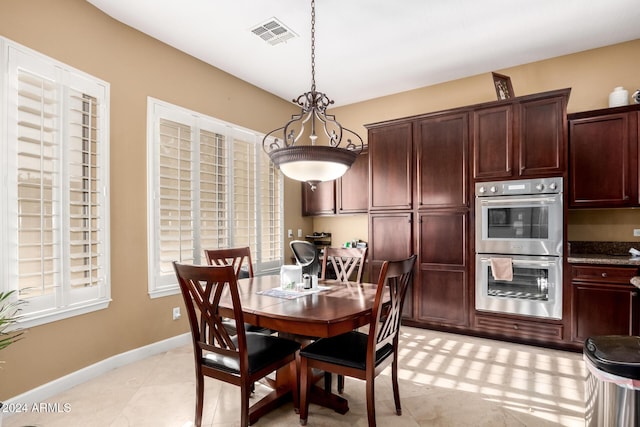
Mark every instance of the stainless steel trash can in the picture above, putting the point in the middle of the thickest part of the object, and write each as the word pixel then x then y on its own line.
pixel 612 390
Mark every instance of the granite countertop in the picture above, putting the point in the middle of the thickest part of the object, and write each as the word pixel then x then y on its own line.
pixel 612 253
pixel 603 259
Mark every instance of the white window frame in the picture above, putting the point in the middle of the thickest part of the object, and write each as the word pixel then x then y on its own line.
pixel 162 283
pixel 63 300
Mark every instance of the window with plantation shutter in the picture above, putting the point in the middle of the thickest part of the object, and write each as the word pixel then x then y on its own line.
pixel 210 186
pixel 55 211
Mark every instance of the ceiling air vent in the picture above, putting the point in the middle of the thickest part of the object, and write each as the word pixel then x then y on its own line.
pixel 273 32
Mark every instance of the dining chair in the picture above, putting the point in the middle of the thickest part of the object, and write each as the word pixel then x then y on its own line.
pixel 241 359
pixel 345 261
pixel 240 259
pixel 307 256
pixel 359 355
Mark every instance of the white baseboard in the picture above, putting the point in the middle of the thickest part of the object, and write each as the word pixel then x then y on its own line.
pixel 45 391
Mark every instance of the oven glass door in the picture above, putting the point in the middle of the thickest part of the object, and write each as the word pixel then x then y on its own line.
pixel 536 288
pixel 529 225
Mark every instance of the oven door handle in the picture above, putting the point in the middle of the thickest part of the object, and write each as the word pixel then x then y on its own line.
pixel 512 201
pixel 542 263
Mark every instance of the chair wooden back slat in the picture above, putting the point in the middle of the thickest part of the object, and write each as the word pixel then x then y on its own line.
pixel 202 288
pixel 236 257
pixel 395 277
pixel 345 262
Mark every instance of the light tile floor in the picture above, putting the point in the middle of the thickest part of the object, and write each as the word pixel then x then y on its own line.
pixel 445 380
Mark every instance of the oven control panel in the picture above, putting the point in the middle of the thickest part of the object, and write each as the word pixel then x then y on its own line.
pixel 519 187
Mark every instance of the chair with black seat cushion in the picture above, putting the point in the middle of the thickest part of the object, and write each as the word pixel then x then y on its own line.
pixel 241 359
pixel 307 256
pixel 359 355
pixel 240 260
pixel 346 263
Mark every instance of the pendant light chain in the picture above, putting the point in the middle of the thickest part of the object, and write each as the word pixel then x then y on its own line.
pixel 313 46
pixel 328 156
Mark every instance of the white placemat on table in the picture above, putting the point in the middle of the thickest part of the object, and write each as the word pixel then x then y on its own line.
pixel 291 293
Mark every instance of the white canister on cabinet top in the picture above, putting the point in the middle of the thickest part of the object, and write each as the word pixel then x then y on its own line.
pixel 618 97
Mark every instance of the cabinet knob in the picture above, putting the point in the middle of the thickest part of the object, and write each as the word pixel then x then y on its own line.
pixel 604 274
pixel 515 326
pixel 634 294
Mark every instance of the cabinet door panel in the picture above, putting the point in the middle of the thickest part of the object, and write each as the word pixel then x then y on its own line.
pixel 493 142
pixel 443 238
pixel 442 161
pixel 353 188
pixel 603 310
pixel 600 162
pixel 542 141
pixel 442 282
pixel 441 297
pixel 320 201
pixel 390 153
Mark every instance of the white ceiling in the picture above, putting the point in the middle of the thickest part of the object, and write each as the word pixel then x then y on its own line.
pixel 370 48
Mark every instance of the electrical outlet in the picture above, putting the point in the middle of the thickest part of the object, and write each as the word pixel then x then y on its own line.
pixel 636 232
pixel 299 232
pixel 290 233
pixel 176 313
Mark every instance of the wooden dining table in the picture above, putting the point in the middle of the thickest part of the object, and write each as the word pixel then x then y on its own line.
pixel 331 309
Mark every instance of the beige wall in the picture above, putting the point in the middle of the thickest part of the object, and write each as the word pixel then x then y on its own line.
pixel 74 32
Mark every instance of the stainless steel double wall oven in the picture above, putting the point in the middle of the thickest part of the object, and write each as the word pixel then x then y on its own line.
pixel 520 221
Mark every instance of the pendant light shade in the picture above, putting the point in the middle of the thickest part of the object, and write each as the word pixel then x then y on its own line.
pixel 326 156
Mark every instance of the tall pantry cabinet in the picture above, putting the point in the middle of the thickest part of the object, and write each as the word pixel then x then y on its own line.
pixel 419 203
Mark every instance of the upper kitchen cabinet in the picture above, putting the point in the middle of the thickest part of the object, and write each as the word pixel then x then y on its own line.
pixel 352 189
pixel 390 157
pixel 346 195
pixel 493 142
pixel 521 137
pixel 321 201
pixel 603 158
pixel 442 161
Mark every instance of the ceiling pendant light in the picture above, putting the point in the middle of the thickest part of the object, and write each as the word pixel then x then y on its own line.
pixel 326 157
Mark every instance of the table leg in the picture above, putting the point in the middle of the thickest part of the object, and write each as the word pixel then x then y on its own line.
pixel 317 395
pixel 321 397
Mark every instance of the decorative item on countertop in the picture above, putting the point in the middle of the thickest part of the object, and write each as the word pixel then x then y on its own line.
pixel 636 97
pixel 290 275
pixel 619 97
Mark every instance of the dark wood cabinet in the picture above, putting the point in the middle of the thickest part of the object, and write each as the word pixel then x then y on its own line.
pixel 352 189
pixel 442 165
pixel 542 136
pixel 441 285
pixel 346 195
pixel 390 158
pixel 493 142
pixel 603 149
pixel 513 327
pixel 321 201
pixel 422 171
pixel 442 226
pixel 603 301
pixel 429 155
pixel 525 137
